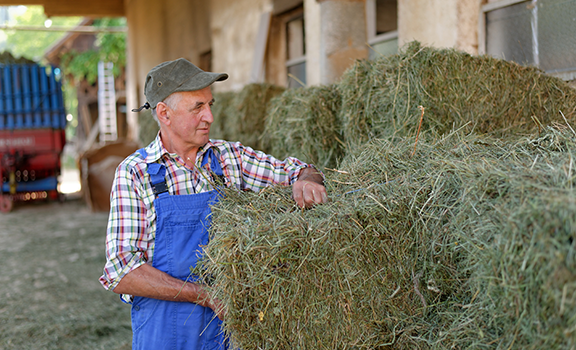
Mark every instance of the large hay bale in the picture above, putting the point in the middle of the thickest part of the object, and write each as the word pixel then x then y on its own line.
pixel 467 243
pixel 302 123
pixel 241 116
pixel 481 93
pixel 463 239
pixel 148 127
pixel 223 126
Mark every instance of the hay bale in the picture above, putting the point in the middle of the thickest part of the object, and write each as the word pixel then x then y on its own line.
pixel 302 123
pixel 223 106
pixel 252 107
pixel 148 127
pixel 481 93
pixel 240 116
pixel 464 241
pixel 468 243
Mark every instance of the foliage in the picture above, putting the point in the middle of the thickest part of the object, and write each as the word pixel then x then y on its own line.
pixel 110 47
pixel 33 44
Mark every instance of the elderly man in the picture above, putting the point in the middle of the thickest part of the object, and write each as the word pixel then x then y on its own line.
pixel 160 206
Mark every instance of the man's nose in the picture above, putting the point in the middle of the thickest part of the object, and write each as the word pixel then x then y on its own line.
pixel 207 116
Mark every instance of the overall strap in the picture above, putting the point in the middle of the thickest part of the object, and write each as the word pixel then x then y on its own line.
pixel 157 174
pixel 215 166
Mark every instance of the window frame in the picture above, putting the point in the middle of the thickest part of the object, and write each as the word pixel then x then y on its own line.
pixel 373 38
pixel 565 74
pixel 295 14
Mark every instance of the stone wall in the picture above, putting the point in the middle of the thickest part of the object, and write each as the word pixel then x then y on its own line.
pixel 335 36
pixel 440 23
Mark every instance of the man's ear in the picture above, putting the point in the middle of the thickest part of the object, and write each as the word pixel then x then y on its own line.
pixel 162 113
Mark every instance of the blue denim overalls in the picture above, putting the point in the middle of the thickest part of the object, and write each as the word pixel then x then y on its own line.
pixel 181 230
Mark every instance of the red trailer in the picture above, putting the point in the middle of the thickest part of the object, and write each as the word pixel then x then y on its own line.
pixel 32 136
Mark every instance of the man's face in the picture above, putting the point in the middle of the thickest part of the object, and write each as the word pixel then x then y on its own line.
pixel 190 120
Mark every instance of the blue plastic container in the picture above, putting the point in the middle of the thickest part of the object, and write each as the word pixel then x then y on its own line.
pixel 30 98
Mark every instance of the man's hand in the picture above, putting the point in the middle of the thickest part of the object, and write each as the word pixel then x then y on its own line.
pixel 309 189
pixel 217 307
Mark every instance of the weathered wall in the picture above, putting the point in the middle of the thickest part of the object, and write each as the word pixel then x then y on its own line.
pixel 335 35
pixel 468 12
pixel 234 27
pixel 313 40
pixel 440 23
pixel 343 36
pixel 159 31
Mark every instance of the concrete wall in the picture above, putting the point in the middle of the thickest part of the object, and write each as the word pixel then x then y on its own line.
pixel 440 23
pixel 159 31
pixel 343 37
pixel 468 12
pixel 313 42
pixel 234 27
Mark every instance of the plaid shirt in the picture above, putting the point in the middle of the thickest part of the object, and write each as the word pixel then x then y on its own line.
pixel 132 221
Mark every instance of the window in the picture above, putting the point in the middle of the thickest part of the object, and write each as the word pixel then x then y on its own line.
pixel 285 53
pixel 534 32
pixel 295 51
pixel 382 27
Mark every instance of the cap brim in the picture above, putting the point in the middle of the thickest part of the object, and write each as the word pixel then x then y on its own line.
pixel 201 81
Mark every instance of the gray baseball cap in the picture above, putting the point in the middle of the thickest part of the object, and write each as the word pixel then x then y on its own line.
pixel 174 76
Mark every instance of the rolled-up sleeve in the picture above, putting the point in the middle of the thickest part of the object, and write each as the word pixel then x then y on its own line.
pixel 255 170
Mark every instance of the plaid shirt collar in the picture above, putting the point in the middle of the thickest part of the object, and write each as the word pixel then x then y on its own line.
pixel 156 150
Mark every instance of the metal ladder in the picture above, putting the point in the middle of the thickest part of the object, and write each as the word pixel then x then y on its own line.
pixel 106 103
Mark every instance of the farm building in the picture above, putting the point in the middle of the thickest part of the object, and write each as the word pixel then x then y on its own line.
pixel 445 131
pixel 312 42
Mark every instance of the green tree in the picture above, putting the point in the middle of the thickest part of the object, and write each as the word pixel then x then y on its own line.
pixel 33 44
pixel 110 47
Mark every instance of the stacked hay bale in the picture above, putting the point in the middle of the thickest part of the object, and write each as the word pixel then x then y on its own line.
pixel 222 111
pixel 303 123
pixel 469 243
pixel 241 116
pixel 148 127
pixel 479 94
pixel 461 238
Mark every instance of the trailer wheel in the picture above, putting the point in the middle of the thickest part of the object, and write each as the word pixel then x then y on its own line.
pixel 6 204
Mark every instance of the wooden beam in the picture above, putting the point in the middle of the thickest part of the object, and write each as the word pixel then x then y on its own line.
pixel 20 2
pixel 77 29
pixel 100 8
